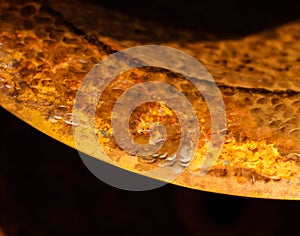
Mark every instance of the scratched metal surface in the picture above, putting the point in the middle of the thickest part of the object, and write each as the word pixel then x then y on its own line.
pixel 46 52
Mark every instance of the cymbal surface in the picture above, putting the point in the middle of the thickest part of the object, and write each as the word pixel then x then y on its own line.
pixel 46 52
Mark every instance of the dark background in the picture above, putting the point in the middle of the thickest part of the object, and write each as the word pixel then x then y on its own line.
pixel 225 18
pixel 45 189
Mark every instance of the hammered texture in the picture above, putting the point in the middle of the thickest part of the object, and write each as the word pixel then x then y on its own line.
pixel 45 54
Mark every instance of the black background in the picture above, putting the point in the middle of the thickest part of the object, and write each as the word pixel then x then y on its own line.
pixel 45 189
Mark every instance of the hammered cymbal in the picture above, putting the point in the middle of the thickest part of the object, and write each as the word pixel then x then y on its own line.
pixel 46 52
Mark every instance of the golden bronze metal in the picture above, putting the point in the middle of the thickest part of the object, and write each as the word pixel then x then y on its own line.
pixel 46 49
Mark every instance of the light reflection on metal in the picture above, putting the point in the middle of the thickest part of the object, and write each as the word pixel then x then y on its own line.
pixel 258 75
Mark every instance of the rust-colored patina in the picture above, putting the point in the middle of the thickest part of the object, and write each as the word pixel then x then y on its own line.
pixel 45 52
